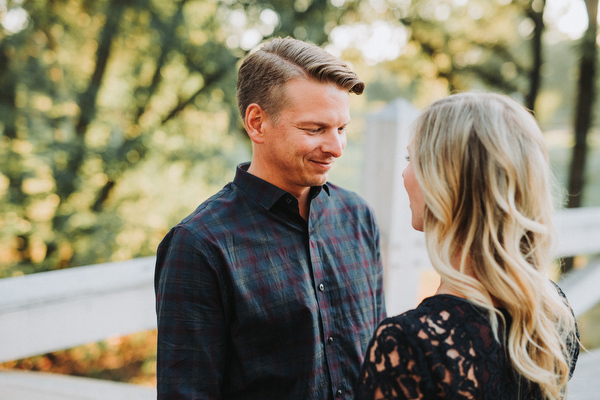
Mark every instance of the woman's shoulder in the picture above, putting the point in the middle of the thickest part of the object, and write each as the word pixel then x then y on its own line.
pixel 438 325
pixel 443 331
pixel 440 311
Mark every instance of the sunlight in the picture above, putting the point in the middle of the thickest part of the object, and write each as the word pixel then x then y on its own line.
pixel 15 20
pixel 568 16
pixel 382 40
pixel 379 41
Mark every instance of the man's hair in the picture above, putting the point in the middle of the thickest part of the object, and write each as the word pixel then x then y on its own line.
pixel 264 73
pixel 483 167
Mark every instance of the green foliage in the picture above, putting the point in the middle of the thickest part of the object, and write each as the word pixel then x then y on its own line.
pixel 459 45
pixel 119 117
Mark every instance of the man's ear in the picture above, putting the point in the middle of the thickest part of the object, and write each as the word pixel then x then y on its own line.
pixel 254 121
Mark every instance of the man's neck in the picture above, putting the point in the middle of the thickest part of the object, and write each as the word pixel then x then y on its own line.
pixel 304 205
pixel 303 196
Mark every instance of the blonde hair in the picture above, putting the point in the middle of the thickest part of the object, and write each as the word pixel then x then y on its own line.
pixel 483 167
pixel 264 73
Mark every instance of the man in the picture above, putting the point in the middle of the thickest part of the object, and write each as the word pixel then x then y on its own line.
pixel 272 288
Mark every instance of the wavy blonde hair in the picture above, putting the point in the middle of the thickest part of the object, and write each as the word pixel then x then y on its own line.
pixel 483 167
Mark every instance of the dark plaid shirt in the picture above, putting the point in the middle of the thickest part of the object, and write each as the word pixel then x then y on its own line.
pixel 254 302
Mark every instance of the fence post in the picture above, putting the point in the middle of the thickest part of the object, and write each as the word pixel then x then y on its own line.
pixel 403 250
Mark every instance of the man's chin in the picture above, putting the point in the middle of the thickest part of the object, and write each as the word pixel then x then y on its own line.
pixel 317 181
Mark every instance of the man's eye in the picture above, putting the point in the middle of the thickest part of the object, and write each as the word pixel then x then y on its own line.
pixel 312 131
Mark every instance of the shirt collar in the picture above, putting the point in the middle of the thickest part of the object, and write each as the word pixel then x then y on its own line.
pixel 262 191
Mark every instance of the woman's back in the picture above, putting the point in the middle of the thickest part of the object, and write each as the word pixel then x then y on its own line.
pixel 443 349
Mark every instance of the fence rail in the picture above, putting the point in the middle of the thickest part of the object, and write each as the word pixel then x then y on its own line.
pixel 50 311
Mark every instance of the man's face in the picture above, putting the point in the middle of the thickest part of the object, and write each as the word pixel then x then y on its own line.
pixel 308 134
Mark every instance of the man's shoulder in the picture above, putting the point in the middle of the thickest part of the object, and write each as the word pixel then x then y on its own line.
pixel 216 212
pixel 347 203
pixel 340 194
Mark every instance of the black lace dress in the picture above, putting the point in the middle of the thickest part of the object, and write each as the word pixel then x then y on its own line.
pixel 443 349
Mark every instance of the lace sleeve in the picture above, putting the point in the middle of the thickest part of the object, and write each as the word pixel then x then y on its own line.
pixel 395 367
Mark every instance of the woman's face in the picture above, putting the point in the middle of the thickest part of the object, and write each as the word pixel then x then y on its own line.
pixel 415 196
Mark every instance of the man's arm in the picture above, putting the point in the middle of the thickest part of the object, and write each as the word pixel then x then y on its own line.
pixel 381 310
pixel 191 320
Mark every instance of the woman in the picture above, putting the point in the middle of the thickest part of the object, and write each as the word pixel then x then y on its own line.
pixel 479 186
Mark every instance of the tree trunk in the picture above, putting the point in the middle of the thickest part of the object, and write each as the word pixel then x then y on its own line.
pixel 536 50
pixel 583 113
pixel 584 107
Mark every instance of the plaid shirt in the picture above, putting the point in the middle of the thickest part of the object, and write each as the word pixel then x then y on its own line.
pixel 253 302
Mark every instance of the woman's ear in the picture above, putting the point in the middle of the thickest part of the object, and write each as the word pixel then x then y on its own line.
pixel 254 122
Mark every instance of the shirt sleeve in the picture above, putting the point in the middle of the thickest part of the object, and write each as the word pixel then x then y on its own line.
pixel 395 367
pixel 191 320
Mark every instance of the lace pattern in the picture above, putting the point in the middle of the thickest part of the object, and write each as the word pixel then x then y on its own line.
pixel 443 349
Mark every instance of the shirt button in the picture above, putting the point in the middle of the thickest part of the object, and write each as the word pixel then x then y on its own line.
pixel 330 339
pixel 288 200
pixel 338 393
pixel 321 287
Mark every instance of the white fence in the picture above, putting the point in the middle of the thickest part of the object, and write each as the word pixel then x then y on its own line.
pixel 51 311
pixel 56 310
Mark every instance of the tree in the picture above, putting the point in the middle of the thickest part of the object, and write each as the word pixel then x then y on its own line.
pixel 462 46
pixel 101 101
pixel 586 96
pixel 583 113
pixel 57 70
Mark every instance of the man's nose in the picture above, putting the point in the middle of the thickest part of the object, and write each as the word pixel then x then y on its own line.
pixel 335 142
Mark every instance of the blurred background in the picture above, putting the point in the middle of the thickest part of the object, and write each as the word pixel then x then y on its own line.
pixel 118 117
